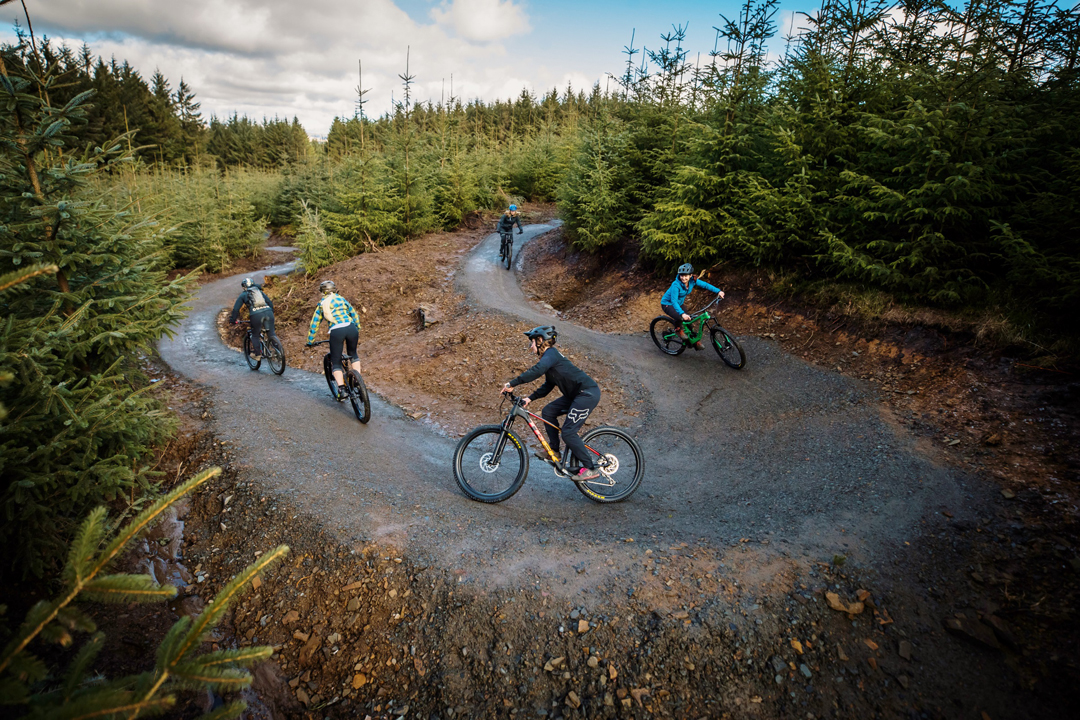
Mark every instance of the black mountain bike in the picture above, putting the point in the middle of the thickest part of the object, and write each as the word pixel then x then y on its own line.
pixel 355 389
pixel 273 351
pixel 506 248
pixel 665 333
pixel 491 462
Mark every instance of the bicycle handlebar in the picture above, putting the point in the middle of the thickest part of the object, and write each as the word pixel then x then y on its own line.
pixel 714 301
pixel 514 398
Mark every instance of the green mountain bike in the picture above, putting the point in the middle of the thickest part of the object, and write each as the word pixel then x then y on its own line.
pixel 665 333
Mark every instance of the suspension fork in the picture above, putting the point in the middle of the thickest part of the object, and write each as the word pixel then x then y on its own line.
pixel 508 423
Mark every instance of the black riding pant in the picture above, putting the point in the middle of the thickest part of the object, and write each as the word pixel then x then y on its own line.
pixel 674 314
pixel 346 336
pixel 576 410
pixel 258 319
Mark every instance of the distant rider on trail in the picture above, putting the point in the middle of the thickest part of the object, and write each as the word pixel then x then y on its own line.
pixel 580 396
pixel 344 329
pixel 260 312
pixel 672 302
pixel 506 222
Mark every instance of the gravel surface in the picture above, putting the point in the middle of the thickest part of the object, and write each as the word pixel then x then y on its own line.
pixel 765 489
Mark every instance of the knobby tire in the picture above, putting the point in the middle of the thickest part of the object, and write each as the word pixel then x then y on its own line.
pixel 276 357
pixel 610 441
pixel 665 333
pixel 329 373
pixel 727 348
pixel 358 396
pixel 490 484
pixel 251 361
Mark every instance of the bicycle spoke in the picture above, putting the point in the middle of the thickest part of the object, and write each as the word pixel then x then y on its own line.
pixel 620 464
pixel 485 474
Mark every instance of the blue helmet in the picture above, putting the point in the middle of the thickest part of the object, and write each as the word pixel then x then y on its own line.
pixel 513 208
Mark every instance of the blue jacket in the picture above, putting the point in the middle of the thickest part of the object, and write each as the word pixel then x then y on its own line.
pixel 676 294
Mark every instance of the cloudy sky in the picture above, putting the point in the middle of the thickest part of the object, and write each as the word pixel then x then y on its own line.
pixel 271 57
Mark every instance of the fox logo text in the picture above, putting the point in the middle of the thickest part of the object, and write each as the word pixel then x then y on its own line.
pixel 577 415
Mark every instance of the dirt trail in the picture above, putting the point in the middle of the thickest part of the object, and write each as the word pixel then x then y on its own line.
pixel 758 481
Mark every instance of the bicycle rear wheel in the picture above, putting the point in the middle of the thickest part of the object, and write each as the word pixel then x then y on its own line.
pixel 482 476
pixel 275 355
pixel 726 347
pixel 358 396
pixel 665 333
pixel 251 361
pixel 509 252
pixel 620 462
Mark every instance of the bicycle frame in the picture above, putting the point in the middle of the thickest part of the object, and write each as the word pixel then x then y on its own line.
pixel 346 361
pixel 518 411
pixel 701 320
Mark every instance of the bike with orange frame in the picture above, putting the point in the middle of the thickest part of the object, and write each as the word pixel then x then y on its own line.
pixel 491 462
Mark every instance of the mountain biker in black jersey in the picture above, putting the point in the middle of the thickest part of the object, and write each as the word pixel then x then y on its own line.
pixel 260 310
pixel 506 222
pixel 672 302
pixel 580 396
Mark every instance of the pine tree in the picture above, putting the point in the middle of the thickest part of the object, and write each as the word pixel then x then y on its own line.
pixel 88 575
pixel 79 421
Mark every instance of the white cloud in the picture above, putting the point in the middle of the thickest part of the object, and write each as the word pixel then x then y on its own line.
pixel 272 57
pixel 482 20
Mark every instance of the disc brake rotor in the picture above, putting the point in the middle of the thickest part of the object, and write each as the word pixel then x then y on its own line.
pixel 485 463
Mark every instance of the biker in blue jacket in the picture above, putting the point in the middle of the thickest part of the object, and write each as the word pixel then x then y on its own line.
pixel 672 302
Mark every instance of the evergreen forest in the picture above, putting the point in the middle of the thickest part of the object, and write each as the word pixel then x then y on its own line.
pixel 925 151
pixel 921 150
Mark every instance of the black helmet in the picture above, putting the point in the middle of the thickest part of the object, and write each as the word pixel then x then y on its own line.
pixel 327 286
pixel 685 269
pixel 246 283
pixel 542 333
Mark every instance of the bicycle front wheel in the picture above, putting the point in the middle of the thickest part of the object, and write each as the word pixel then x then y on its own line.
pixel 251 361
pixel 328 371
pixel 665 333
pixel 275 355
pixel 486 473
pixel 620 462
pixel 728 350
pixel 509 253
pixel 358 396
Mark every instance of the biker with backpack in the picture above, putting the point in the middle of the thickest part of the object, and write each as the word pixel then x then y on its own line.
pixel 344 329
pixel 260 312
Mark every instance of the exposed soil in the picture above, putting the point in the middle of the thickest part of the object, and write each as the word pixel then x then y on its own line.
pixel 448 373
pixel 972 618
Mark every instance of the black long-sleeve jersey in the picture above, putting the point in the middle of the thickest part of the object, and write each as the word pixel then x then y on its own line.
pixel 254 301
pixel 560 372
pixel 506 222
